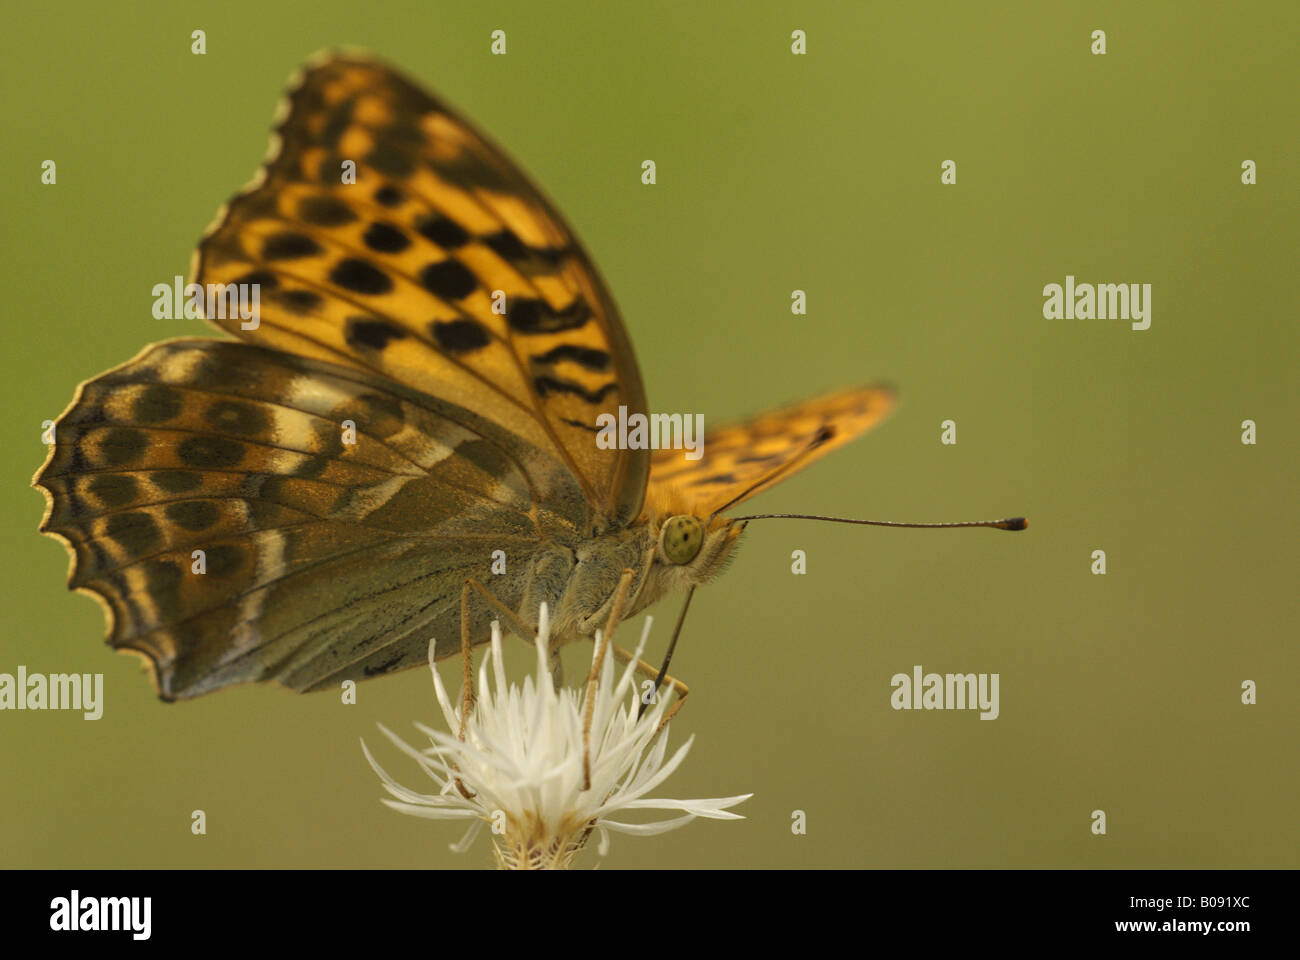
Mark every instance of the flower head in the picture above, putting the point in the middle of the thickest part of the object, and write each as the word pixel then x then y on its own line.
pixel 521 763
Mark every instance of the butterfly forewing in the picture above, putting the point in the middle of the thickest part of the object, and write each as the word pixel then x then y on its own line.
pixel 441 267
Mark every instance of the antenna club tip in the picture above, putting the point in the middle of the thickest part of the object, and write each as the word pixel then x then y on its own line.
pixel 1015 523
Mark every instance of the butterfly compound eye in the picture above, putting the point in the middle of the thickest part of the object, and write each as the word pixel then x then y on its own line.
pixel 681 538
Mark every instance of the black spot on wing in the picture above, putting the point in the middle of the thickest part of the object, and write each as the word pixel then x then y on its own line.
pixel 537 316
pixel 389 196
pixel 371 333
pixel 233 416
pixel 588 357
pixel 156 403
pixel 359 276
pixel 264 279
pixel 193 515
pixel 113 489
pixel 507 245
pixel 459 336
pixel 289 245
pixel 546 386
pixel 385 238
pixel 122 445
pixel 446 233
pixel 448 279
pixel 298 302
pixel 136 533
pixel 325 211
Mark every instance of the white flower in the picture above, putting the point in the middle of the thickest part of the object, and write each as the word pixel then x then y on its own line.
pixel 522 763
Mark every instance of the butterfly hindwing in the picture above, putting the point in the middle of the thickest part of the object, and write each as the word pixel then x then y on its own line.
pixel 746 457
pixel 441 267
pixel 335 515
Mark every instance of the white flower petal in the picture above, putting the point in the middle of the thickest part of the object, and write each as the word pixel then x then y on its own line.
pixel 647 829
pixel 467 840
pixel 714 809
pixel 431 813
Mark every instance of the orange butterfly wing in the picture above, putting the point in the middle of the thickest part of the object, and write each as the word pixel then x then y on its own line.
pixel 743 458
pixel 441 267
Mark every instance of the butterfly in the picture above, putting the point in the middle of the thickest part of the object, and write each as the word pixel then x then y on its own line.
pixel 414 414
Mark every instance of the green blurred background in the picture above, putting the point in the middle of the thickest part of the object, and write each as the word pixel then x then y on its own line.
pixel 775 172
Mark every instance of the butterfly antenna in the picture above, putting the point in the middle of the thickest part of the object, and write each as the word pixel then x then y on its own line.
pixel 672 645
pixel 1011 523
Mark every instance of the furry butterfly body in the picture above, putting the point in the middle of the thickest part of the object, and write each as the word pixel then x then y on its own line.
pixel 414 410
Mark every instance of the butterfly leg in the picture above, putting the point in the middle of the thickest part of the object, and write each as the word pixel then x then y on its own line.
pixel 653 672
pixel 597 662
pixel 467 691
pixel 467 683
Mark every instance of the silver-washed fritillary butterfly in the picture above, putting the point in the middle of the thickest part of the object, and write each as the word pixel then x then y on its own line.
pixel 473 429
